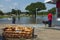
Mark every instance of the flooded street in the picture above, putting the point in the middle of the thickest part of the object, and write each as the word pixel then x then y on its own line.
pixel 24 20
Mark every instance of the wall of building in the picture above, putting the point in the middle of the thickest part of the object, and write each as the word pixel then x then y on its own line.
pixel 57 13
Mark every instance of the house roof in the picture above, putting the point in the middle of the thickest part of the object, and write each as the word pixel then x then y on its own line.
pixel 50 1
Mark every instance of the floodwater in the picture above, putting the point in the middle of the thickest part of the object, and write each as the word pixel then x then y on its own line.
pixel 25 20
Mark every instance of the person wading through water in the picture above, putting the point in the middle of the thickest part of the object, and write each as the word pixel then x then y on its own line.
pixel 13 19
pixel 49 19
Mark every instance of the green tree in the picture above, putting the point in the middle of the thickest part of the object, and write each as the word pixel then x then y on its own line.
pixel 15 12
pixel 53 10
pixel 8 13
pixel 1 12
pixel 18 12
pixel 32 7
pixel 43 13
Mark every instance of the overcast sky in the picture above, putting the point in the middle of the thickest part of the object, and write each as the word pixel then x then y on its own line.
pixel 7 5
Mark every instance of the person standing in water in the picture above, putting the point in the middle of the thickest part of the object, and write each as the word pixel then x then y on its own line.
pixel 49 19
pixel 13 19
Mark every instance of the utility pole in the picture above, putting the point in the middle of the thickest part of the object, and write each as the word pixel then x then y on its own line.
pixel 36 15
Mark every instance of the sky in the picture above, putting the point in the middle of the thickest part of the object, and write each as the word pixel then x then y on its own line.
pixel 7 5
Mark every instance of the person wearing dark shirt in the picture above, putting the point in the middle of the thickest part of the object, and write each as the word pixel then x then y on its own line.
pixel 49 19
pixel 13 19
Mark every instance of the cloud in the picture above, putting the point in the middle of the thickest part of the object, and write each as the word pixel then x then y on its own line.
pixel 1 5
pixel 12 7
pixel 3 8
pixel 15 4
pixel 8 0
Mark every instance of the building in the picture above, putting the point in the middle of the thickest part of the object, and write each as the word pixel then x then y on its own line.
pixel 57 2
pixel 50 1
